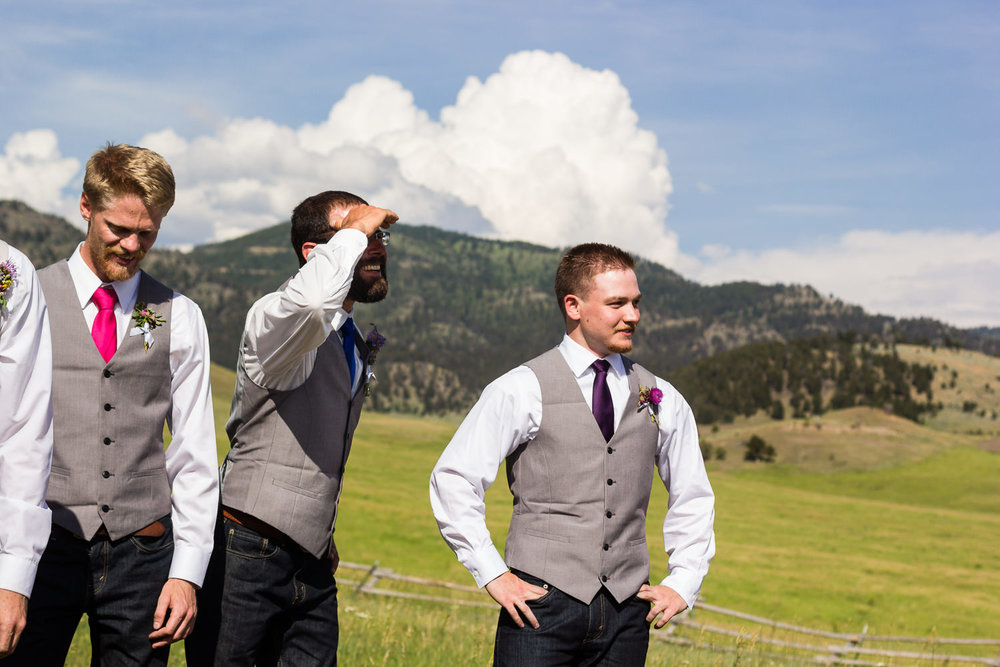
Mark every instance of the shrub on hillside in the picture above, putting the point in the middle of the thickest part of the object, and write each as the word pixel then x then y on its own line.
pixel 758 450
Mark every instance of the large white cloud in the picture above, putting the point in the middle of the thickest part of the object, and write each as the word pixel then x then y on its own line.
pixel 33 170
pixel 948 275
pixel 547 150
pixel 544 150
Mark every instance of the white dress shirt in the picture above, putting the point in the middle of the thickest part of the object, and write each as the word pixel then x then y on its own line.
pixel 191 458
pixel 509 413
pixel 25 428
pixel 284 329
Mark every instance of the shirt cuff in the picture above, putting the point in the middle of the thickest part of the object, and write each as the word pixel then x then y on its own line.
pixel 17 574
pixel 189 564
pixel 486 565
pixel 684 584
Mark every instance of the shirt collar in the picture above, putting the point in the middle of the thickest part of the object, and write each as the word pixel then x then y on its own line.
pixel 86 282
pixel 580 358
pixel 340 317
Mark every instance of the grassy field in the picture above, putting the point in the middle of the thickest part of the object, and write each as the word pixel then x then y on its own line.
pixel 865 521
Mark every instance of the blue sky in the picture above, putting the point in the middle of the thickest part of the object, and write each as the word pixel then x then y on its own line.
pixel 853 146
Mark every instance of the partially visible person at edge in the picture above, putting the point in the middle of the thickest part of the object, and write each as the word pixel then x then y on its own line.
pixel 301 380
pixel 583 429
pixel 25 438
pixel 132 523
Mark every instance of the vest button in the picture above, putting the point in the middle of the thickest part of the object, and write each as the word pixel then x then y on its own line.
pixel 107 373
pixel 611 450
pixel 604 577
pixel 105 474
pixel 105 508
pixel 608 514
pixel 607 546
pixel 610 482
pixel 107 407
pixel 107 441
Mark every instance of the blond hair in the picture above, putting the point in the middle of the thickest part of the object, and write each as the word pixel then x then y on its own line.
pixel 119 170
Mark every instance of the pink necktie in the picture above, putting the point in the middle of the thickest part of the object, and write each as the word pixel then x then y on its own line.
pixel 104 331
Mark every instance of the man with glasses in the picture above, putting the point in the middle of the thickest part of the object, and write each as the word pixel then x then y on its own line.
pixel 270 595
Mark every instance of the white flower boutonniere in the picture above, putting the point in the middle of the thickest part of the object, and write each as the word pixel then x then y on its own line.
pixel 146 319
pixel 8 276
pixel 375 341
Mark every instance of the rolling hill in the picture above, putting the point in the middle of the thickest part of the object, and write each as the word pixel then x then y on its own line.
pixel 463 310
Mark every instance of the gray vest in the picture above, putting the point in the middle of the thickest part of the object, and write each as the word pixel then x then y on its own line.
pixel 579 518
pixel 289 448
pixel 107 458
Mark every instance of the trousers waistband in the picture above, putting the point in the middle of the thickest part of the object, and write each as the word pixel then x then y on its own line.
pixel 155 529
pixel 258 526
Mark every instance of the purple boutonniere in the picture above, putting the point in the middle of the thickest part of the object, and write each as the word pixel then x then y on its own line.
pixel 375 341
pixel 145 319
pixel 8 276
pixel 650 398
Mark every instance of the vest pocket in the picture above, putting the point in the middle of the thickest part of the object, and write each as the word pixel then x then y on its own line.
pixel 548 536
pixel 296 489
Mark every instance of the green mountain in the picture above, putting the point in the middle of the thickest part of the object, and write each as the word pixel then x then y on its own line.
pixel 462 310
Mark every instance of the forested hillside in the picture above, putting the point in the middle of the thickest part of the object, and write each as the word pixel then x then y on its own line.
pixel 462 310
pixel 807 377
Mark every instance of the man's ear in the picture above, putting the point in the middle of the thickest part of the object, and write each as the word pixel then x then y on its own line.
pixel 572 305
pixel 85 210
pixel 307 248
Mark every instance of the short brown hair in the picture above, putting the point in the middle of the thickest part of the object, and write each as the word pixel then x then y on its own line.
pixel 119 170
pixel 580 264
pixel 311 218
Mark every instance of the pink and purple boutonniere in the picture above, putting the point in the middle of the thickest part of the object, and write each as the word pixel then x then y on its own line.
pixel 8 276
pixel 650 398
pixel 375 341
pixel 145 319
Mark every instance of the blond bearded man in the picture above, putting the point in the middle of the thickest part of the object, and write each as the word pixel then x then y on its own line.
pixel 132 523
pixel 583 431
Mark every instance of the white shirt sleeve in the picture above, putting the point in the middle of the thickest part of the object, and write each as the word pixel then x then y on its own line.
pixel 191 458
pixel 284 328
pixel 507 414
pixel 25 428
pixel 688 535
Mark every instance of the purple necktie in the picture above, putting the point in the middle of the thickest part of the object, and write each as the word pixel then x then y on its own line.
pixel 104 330
pixel 604 410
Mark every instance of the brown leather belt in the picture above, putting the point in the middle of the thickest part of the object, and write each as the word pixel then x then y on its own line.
pixel 155 529
pixel 258 526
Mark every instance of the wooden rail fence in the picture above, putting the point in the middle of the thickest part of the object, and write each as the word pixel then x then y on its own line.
pixel 725 630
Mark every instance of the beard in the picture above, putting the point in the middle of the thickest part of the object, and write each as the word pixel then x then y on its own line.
pixel 107 268
pixel 622 348
pixel 366 290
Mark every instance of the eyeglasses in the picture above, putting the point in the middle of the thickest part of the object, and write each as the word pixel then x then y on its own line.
pixel 380 234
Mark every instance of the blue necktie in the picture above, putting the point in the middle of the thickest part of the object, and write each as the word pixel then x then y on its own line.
pixel 347 332
pixel 603 408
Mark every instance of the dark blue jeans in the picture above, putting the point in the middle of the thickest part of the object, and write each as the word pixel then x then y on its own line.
pixel 116 583
pixel 265 604
pixel 571 632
